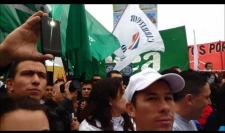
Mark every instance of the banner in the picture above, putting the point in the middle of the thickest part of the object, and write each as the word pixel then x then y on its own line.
pixel 209 52
pixel 127 71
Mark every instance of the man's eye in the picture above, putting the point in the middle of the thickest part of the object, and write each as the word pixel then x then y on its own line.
pixel 28 73
pixel 42 75
pixel 151 98
pixel 168 98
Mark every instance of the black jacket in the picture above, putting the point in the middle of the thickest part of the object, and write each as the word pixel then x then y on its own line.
pixel 59 114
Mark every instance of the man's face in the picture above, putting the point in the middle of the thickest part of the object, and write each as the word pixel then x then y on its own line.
pixel 209 67
pixel 86 90
pixel 24 120
pixel 30 80
pixel 48 92
pixel 154 110
pixel 95 79
pixel 118 76
pixel 200 102
pixel 57 95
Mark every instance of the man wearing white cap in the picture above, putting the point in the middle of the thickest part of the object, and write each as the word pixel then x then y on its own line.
pixel 150 101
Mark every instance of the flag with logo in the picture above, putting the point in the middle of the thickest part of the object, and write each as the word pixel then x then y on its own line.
pixel 176 53
pixel 136 34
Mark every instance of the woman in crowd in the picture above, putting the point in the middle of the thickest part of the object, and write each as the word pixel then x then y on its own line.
pixel 105 109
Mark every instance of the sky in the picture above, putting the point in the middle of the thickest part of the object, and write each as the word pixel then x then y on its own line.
pixel 207 20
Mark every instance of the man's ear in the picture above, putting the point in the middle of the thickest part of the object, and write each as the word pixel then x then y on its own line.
pixel 130 109
pixel 189 99
pixel 9 85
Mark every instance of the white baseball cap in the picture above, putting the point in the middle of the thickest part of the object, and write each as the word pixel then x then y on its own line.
pixel 146 77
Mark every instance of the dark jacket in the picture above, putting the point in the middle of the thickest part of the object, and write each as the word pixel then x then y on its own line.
pixel 211 123
pixel 59 114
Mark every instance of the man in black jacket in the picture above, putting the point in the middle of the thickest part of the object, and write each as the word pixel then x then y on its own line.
pixel 60 108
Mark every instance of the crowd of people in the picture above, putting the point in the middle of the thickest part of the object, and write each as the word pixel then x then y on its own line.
pixel 173 100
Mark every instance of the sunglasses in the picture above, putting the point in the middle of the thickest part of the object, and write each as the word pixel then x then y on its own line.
pixel 89 89
pixel 96 80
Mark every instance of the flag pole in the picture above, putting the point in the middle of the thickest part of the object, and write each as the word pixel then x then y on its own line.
pixel 120 18
pixel 195 53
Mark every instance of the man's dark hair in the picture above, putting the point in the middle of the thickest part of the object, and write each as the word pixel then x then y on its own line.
pixel 170 70
pixel 207 63
pixel 13 68
pixel 97 75
pixel 87 82
pixel 9 104
pixel 109 74
pixel 194 82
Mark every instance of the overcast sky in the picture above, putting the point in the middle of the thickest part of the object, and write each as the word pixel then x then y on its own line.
pixel 207 20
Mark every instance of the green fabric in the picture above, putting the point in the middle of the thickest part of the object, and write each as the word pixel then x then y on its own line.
pixel 103 43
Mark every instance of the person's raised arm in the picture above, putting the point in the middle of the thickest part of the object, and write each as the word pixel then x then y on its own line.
pixel 21 43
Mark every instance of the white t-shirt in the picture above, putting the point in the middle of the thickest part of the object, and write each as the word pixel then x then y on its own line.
pixel 181 124
pixel 117 125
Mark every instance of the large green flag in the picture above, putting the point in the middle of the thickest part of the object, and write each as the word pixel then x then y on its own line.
pixel 13 15
pixel 176 52
pixel 74 31
pixel 103 43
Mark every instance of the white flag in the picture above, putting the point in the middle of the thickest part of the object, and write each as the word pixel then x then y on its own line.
pixel 136 34
pixel 195 54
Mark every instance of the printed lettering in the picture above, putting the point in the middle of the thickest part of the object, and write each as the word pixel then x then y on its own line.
pixel 218 47
pixel 211 47
pixel 143 27
pixel 223 46
pixel 202 49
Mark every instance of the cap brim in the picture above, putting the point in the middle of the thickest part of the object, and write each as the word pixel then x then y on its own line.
pixel 175 81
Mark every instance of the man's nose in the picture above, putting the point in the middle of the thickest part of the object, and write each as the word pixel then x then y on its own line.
pixel 36 79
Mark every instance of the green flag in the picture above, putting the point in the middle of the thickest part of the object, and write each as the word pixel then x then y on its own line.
pixel 74 35
pixel 103 43
pixel 13 15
